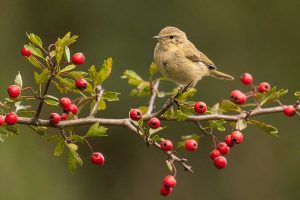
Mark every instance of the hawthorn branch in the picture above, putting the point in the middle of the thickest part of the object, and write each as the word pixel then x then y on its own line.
pixel 153 97
pixel 99 93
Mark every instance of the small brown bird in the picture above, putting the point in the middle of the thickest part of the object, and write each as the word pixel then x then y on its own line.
pixel 179 60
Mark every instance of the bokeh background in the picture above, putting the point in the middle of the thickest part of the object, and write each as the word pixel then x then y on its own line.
pixel 260 37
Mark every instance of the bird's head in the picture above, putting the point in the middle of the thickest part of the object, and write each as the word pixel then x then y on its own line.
pixel 171 35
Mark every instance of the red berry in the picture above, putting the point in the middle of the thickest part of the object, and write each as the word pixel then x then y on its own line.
pixel 135 114
pixel 223 148
pixel 289 110
pixel 81 84
pixel 74 109
pixel 214 153
pixel 166 145
pixel 191 145
pixel 14 91
pixel 200 107
pixel 78 58
pixel 65 102
pixel 169 181
pixel 54 118
pixel 237 137
pixel 64 117
pixel 220 162
pixel 264 87
pixel 2 120
pixel 154 123
pixel 11 118
pixel 246 79
pixel 165 191
pixel 26 52
pixel 238 97
pixel 228 141
pixel 97 158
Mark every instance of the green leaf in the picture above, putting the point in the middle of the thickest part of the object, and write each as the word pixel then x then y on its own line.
pixel 51 97
pixel 35 39
pixel 218 124
pixel 297 94
pixel 265 127
pixel 43 77
pixel 18 80
pixel 193 136
pixel 102 105
pixel 180 115
pixel 215 109
pixel 69 84
pixel 170 166
pixel 61 43
pixel 41 130
pixel 228 106
pixel 155 138
pixel 152 131
pixel 104 72
pixel 51 102
pixel 133 78
pixel 34 62
pixel 9 130
pixel 241 124
pixel 35 51
pixel 67 54
pixel 74 160
pixel 96 130
pixel 110 96
pixel 77 138
pixel 67 68
pixel 183 97
pixel 271 96
pixel 152 69
pixel 72 147
pixel 59 148
pixel 77 74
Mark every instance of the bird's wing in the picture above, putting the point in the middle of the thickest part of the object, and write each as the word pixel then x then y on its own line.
pixel 192 53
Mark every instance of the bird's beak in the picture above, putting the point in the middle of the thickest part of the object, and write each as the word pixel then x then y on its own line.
pixel 156 37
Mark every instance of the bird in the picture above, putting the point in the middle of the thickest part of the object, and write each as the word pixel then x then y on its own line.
pixel 180 61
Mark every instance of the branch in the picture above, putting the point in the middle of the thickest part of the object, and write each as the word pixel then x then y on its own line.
pixel 99 93
pixel 123 121
pixel 152 98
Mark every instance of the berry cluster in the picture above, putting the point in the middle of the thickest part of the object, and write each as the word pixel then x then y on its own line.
pixel 223 148
pixel 169 182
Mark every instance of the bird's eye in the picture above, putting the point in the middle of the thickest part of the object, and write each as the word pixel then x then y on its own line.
pixel 171 36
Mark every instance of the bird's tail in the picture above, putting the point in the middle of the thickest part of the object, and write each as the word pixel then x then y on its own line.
pixel 220 75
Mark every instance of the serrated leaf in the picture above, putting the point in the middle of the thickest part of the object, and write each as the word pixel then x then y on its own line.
pixel 184 96
pixel 241 124
pixel 101 105
pixel 155 138
pixel 67 54
pixel 59 148
pixel 35 39
pixel 43 77
pixel 61 43
pixel 152 69
pixel 215 109
pixel 77 138
pixel 77 74
pixel 41 130
pixel 218 124
pixel 18 80
pixel 180 115
pixel 34 62
pixel 228 106
pixel 133 78
pixel 69 84
pixel 110 96
pixel 96 130
pixel 270 129
pixel 35 51
pixel 104 72
pixel 271 96
pixel 67 68
pixel 74 160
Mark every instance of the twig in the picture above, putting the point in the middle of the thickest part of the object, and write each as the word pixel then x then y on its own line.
pixel 171 100
pixel 99 93
pixel 152 98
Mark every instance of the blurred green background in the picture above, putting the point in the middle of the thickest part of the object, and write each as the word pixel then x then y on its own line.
pixel 260 37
